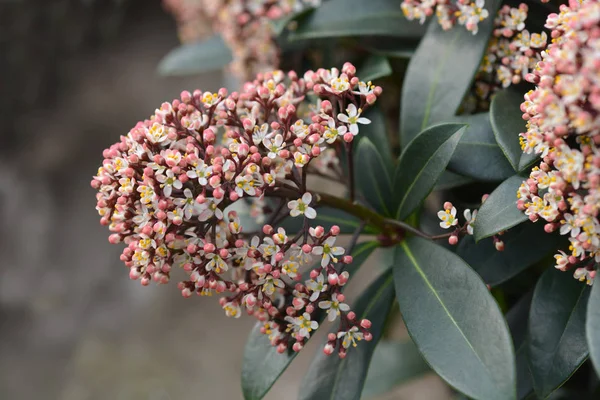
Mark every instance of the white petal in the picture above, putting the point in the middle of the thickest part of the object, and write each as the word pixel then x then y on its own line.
pixel 363 120
pixel 310 213
pixel 306 198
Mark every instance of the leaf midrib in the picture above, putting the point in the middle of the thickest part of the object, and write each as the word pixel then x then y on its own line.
pixel 428 283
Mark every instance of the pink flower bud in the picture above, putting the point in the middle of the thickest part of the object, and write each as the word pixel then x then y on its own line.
pixel 267 229
pixel 365 323
pixel 332 279
pixel 453 240
pixel 351 316
pixel 335 230
pixel 328 349
pixel 348 137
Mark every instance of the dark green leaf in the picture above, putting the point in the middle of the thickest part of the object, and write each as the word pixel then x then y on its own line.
pixel 393 363
pixel 507 123
pixel 389 47
pixel 517 318
pixel 194 58
pixel 421 164
pixel 330 377
pixel 557 345
pixel 527 160
pixel 326 217
pixel 262 364
pixel 372 177
pixel 450 180
pixel 357 18
pixel 499 212
pixel 524 245
pixel 440 74
pixel 376 132
pixel 282 23
pixel 478 155
pixel 593 325
pixel 374 67
pixel 454 321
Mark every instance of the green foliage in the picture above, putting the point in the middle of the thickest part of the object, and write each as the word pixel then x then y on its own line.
pixel 357 18
pixel 592 326
pixel 440 74
pixel 421 164
pixel 194 58
pixel 393 363
pixel 374 67
pixel 372 177
pixel 507 123
pixel 454 321
pixel 330 377
pixel 557 345
pixel 499 212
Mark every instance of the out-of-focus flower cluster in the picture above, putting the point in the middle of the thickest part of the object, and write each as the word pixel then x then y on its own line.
pixel 462 12
pixel 563 127
pixel 164 190
pixel 245 25
pixel 512 53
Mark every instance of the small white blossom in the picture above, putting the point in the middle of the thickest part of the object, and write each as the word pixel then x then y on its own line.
pixel 353 118
pixel 302 206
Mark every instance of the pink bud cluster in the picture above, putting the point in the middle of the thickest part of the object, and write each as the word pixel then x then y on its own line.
pixel 245 25
pixel 512 53
pixel 462 12
pixel 563 127
pixel 166 188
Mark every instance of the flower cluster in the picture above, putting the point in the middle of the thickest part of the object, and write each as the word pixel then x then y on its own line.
pixel 245 25
pixel 563 128
pixel 449 220
pixel 463 12
pixel 166 188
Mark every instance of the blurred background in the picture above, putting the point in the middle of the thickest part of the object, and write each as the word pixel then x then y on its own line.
pixel 76 74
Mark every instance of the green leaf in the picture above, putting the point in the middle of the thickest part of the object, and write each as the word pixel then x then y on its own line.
pixel 279 25
pixel 330 377
pixel 592 326
pixel 454 321
pixel 421 164
pixel 336 18
pixel 440 74
pixel 262 364
pixel 327 217
pixel 194 58
pixel 527 160
pixel 374 67
pixel 507 123
pixel 557 345
pixel 393 364
pixel 478 155
pixel 372 177
pixel 524 245
pixel 450 180
pixel 376 132
pixel 517 318
pixel 499 212
pixel 388 47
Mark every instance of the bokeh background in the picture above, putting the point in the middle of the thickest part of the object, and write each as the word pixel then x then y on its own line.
pixel 76 74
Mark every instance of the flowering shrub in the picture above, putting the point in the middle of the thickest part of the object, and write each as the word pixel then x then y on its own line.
pixel 220 188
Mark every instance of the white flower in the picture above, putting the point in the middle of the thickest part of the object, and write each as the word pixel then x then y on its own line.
pixel 260 134
pixel 200 171
pixel 316 287
pixel 274 145
pixel 470 220
pixel 569 225
pixel 269 284
pixel 448 218
pixel 232 309
pixel 353 118
pixel 216 263
pixel 187 203
pixel 328 251
pixel 168 182
pixel 244 184
pixel 301 325
pixel 332 133
pixel 302 206
pixel 334 307
pixel 209 208
pixel 350 337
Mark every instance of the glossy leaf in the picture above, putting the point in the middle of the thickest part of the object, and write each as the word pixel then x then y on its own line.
pixel 517 318
pixel 194 58
pixel 281 24
pixel 376 132
pixel 454 321
pixel 335 18
pixel 262 364
pixel 393 364
pixel 374 67
pixel 326 217
pixel 527 160
pixel 524 245
pixel 330 377
pixel 499 212
pixel 507 123
pixel 421 164
pixel 440 74
pixel 450 180
pixel 478 155
pixel 592 325
pixel 372 177
pixel 389 47
pixel 557 345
